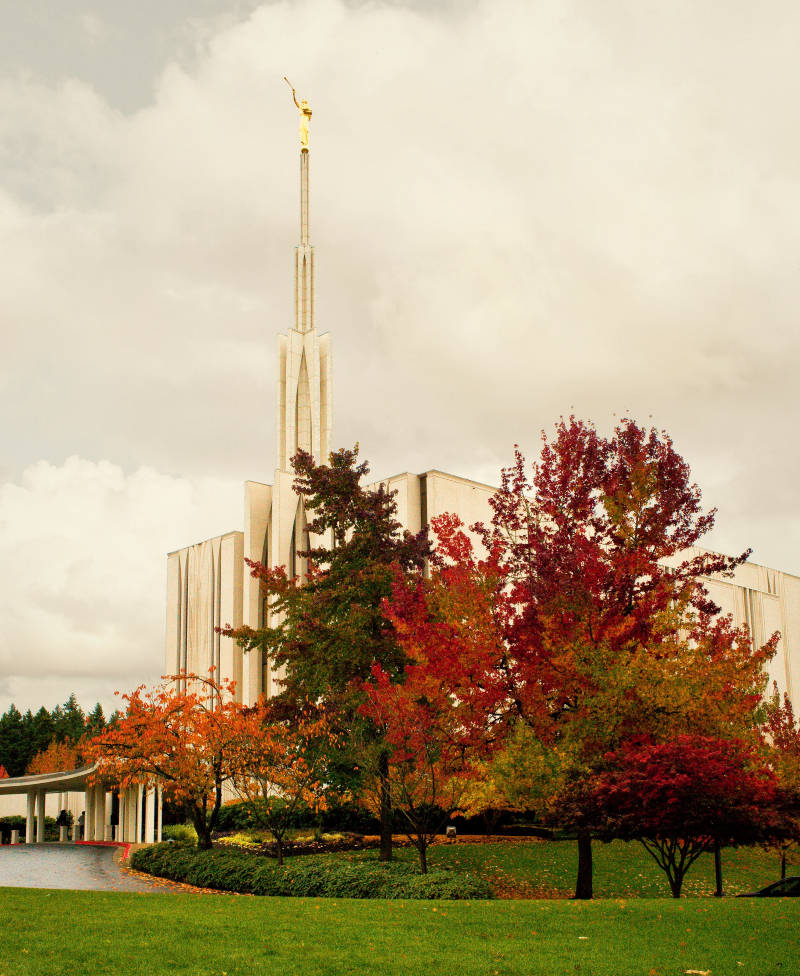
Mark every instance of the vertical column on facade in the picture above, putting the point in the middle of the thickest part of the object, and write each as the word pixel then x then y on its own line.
pixel 160 814
pixel 121 816
pixel 99 812
pixel 108 806
pixel 88 813
pixel 133 829
pixel 130 816
pixel 29 835
pixel 139 824
pixel 40 806
pixel 149 816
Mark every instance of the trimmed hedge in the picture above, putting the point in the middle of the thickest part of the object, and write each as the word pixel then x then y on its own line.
pixel 306 877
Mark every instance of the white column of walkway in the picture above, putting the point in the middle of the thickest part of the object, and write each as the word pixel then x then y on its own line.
pixel 137 825
pixel 140 808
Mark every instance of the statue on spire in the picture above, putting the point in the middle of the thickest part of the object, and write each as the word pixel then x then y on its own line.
pixel 305 116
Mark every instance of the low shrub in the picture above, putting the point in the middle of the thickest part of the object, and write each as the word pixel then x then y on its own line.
pixel 308 877
pixel 14 822
pixel 184 833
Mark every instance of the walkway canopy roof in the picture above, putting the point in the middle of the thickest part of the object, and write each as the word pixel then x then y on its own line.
pixel 72 781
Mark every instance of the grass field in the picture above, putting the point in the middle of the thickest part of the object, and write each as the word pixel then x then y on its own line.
pixel 65 933
pixel 546 869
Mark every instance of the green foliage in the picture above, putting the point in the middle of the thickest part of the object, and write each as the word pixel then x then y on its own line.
pixel 331 630
pixel 318 877
pixel 184 833
pixel 343 815
pixel 7 824
pixel 23 736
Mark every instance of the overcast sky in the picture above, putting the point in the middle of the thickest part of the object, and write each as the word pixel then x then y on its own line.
pixel 520 209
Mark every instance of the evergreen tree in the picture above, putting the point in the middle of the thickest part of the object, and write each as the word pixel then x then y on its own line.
pixel 95 720
pixel 328 632
pixel 42 731
pixel 13 750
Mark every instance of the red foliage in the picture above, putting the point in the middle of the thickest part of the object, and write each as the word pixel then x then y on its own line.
pixel 595 546
pixel 682 797
pixel 442 714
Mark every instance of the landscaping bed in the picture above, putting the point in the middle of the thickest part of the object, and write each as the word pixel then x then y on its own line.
pixel 320 877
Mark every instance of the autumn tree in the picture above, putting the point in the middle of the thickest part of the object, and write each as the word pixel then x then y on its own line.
pixel 279 766
pixel 57 757
pixel 326 632
pixel 683 798
pixel 178 734
pixel 440 716
pixel 782 733
pixel 603 603
pixel 429 750
pixel 22 736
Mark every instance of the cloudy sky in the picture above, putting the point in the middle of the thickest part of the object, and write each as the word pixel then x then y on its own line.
pixel 520 208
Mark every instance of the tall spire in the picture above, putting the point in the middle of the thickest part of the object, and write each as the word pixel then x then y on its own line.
pixel 304 357
pixel 304 259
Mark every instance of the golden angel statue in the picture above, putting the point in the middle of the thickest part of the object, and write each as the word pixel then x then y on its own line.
pixel 305 116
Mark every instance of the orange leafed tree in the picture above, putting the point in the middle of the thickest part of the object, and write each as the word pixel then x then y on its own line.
pixel 57 757
pixel 179 739
pixel 279 765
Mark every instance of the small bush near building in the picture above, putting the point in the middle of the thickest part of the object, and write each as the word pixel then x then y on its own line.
pixel 7 824
pixel 308 877
pixel 184 833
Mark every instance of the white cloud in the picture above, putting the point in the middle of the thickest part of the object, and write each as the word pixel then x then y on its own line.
pixel 519 210
pixel 82 559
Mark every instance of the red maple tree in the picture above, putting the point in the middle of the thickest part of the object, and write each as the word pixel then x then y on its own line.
pixel 685 797
pixel 600 616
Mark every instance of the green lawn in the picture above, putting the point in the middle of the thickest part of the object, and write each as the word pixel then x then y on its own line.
pixel 546 869
pixel 48 933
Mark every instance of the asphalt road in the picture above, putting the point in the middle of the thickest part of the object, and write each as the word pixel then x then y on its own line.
pixel 66 866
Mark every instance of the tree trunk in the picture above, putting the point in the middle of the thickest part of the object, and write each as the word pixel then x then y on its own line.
pixel 422 847
pixel 783 865
pixel 386 809
pixel 718 870
pixel 675 886
pixel 203 837
pixel 280 850
pixel 583 886
pixel 201 827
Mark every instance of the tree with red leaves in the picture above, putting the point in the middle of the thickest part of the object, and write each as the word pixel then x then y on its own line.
pixel 179 734
pixel 445 711
pixel 603 586
pixel 432 745
pixel 684 797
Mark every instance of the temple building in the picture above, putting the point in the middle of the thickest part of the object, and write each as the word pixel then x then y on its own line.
pixel 209 585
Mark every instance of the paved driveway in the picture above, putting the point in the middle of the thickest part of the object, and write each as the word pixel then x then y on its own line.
pixel 66 866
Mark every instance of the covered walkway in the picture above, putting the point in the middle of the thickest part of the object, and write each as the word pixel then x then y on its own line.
pixel 132 815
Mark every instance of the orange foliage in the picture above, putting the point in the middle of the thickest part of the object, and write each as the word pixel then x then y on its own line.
pixel 178 738
pixel 279 765
pixel 57 757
